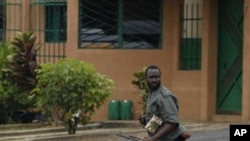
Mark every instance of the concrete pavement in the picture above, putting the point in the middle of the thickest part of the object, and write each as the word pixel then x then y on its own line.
pixel 105 130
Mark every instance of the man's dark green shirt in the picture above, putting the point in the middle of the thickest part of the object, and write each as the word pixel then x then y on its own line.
pixel 164 104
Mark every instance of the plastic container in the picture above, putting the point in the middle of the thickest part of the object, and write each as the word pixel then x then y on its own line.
pixel 126 110
pixel 114 110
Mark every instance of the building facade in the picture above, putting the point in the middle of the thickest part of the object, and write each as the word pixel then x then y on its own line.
pixel 202 47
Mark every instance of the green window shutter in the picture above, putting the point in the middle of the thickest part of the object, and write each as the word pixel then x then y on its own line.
pixel 55 22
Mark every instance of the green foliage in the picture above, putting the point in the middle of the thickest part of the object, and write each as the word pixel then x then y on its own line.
pixel 141 84
pixel 7 89
pixel 4 52
pixel 21 63
pixel 70 85
pixel 17 75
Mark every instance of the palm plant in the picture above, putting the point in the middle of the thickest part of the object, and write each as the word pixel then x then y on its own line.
pixel 22 63
pixel 18 77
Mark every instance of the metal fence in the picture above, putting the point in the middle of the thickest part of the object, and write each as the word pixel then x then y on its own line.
pixel 10 18
pixel 190 49
pixel 47 18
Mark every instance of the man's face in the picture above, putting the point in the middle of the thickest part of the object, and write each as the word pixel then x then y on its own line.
pixel 153 78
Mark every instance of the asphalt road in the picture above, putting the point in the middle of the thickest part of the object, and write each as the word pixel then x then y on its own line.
pixel 199 132
pixel 210 135
pixel 205 135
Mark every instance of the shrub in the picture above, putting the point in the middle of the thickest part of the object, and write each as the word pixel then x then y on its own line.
pixel 21 64
pixel 141 84
pixel 70 85
pixel 17 76
pixel 7 89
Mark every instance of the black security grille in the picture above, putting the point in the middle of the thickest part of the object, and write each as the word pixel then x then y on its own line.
pixel 55 22
pixel 10 18
pixel 190 49
pixel 49 21
pixel 120 23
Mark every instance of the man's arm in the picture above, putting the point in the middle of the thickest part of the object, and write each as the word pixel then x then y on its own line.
pixel 169 114
pixel 163 131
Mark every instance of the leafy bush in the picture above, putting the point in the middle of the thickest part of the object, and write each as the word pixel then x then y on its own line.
pixel 21 64
pixel 17 75
pixel 7 89
pixel 141 84
pixel 70 85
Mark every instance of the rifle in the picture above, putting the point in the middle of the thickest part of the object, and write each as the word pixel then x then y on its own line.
pixel 130 138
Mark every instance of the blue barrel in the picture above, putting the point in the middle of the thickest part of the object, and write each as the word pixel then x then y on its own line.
pixel 114 110
pixel 126 110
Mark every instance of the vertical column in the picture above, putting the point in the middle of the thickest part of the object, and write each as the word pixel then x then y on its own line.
pixel 209 59
pixel 246 65
pixel 170 36
pixel 26 15
pixel 72 27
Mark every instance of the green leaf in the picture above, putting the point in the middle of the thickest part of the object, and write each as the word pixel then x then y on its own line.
pixel 73 84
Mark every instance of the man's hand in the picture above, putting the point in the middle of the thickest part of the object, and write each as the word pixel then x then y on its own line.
pixel 141 119
pixel 186 135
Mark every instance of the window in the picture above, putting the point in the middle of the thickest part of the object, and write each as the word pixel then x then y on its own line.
pixel 10 13
pixel 49 21
pixel 120 23
pixel 190 49
pixel 55 19
pixel 2 20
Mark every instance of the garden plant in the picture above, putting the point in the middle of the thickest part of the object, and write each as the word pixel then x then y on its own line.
pixel 141 84
pixel 70 86
pixel 17 73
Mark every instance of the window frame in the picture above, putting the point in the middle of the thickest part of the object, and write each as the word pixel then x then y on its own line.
pixel 55 28
pixel 119 39
pixel 191 41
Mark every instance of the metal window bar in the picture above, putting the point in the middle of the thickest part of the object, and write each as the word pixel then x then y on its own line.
pixel 55 23
pixel 143 27
pixel 120 24
pixel 190 49
pixel 48 21
pixel 10 19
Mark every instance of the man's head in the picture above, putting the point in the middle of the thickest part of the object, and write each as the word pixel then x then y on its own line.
pixel 153 77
